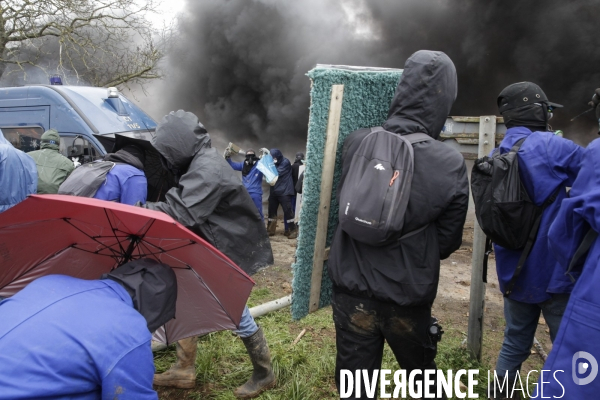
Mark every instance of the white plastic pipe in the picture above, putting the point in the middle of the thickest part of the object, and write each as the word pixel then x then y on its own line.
pixel 271 306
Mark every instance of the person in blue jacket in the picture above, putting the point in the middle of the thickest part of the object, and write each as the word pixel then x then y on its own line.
pixel 18 175
pixel 281 194
pixel 251 177
pixel 547 165
pixel 126 182
pixel 576 350
pixel 576 344
pixel 63 337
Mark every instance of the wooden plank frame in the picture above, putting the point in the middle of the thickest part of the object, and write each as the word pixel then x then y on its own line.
pixel 329 156
pixel 487 134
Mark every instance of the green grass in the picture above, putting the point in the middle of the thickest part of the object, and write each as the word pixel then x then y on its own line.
pixel 305 370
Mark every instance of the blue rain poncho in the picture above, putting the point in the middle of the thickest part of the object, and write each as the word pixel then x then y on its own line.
pixel 63 337
pixel 580 327
pixel 18 175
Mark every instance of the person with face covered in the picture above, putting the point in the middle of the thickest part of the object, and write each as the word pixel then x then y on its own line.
pixel 63 337
pixel 281 194
pixel 547 165
pixel 251 177
pixel 211 201
pixel 385 293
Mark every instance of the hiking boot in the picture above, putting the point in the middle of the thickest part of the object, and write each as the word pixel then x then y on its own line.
pixel 158 346
pixel 286 233
pixel 182 375
pixel 293 231
pixel 271 227
pixel 262 377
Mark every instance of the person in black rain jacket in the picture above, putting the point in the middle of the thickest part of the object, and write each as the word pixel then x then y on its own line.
pixel 386 292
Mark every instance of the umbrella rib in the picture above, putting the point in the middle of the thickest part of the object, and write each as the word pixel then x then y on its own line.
pixel 114 256
pixel 67 220
pixel 112 228
pixel 166 252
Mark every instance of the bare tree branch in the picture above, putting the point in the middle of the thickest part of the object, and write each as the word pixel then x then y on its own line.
pixel 99 42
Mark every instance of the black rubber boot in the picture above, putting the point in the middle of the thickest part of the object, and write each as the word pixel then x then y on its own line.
pixel 262 377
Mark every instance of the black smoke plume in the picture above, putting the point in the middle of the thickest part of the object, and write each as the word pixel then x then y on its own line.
pixel 241 64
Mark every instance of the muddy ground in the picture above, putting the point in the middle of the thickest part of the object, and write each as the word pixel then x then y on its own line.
pixel 451 306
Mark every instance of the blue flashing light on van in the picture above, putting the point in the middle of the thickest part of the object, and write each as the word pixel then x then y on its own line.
pixel 85 117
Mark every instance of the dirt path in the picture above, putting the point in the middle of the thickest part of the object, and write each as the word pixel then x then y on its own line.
pixel 451 306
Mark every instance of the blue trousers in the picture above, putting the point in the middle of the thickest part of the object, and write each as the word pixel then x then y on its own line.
pixel 521 323
pixel 247 325
pixel 257 199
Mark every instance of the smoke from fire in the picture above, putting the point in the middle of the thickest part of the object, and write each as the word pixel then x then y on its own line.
pixel 240 65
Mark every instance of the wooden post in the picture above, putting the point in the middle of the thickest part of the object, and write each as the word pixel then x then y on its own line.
pixel 487 141
pixel 329 153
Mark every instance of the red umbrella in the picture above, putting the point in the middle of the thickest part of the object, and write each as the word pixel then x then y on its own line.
pixel 84 238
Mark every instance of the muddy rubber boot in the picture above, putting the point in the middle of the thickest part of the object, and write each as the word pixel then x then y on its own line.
pixel 293 231
pixel 271 227
pixel 262 377
pixel 286 233
pixel 182 375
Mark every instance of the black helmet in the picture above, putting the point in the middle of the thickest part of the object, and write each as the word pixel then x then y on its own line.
pixel 522 94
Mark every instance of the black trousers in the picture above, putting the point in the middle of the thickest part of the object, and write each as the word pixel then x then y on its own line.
pixel 286 204
pixel 362 325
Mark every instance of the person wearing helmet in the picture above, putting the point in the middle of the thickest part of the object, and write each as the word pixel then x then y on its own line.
pixel 547 165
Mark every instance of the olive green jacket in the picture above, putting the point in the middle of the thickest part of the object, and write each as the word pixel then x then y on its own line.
pixel 53 168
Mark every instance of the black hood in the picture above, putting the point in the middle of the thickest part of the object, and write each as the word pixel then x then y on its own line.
pixel 152 287
pixel 424 96
pixel 179 136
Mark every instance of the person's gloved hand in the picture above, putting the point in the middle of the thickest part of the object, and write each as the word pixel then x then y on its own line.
pixel 227 152
pixel 595 103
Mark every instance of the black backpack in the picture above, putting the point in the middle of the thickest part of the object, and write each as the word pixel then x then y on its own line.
pixel 376 189
pixel 503 207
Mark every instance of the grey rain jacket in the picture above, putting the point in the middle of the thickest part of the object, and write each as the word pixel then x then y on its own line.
pixel 407 272
pixel 210 198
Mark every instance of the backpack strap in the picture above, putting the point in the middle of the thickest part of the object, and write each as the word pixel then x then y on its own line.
pixel 589 238
pixel 417 137
pixel 530 240
pixel 411 137
pixel 489 249
pixel 517 145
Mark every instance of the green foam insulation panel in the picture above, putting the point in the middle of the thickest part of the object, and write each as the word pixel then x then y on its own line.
pixel 367 95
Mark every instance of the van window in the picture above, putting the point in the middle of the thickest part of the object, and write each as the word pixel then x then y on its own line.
pixel 24 138
pixel 78 147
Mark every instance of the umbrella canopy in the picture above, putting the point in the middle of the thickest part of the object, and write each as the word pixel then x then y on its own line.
pixel 84 238
pixel 160 180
